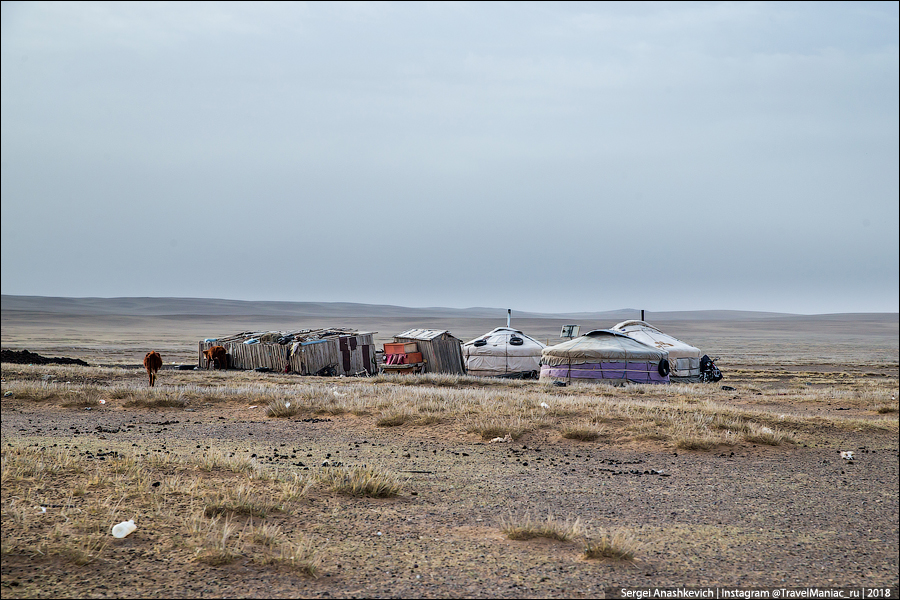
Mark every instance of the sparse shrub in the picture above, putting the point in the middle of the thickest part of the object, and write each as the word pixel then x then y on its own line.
pixel 157 399
pixel 242 500
pixel 395 416
pixel 429 420
pixel 301 557
pixel 620 545
pixel 81 550
pixel 695 442
pixel 283 407
pixel 266 534
pixel 494 427
pixel 216 460
pixel 584 433
pixel 767 435
pixel 81 398
pixel 221 546
pixel 361 481
pixel 294 486
pixel 527 528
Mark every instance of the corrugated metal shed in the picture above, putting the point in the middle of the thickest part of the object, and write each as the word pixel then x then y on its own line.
pixel 442 352
pixel 307 351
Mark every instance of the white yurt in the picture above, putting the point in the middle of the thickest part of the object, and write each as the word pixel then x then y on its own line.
pixel 684 359
pixel 603 354
pixel 503 352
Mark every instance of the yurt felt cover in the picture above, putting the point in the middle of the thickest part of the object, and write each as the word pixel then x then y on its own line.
pixel 603 354
pixel 684 359
pixel 498 357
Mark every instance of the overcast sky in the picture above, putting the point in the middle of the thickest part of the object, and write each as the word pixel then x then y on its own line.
pixel 548 157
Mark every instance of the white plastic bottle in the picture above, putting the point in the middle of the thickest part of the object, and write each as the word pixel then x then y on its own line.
pixel 123 528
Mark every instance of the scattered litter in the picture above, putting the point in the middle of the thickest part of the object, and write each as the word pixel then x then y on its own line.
pixel 847 455
pixel 43 509
pixel 500 440
pixel 7 394
pixel 87 408
pixel 102 401
pixel 254 406
pixel 378 533
pixel 728 388
pixel 544 405
pixel 252 341
pixel 559 383
pixel 287 404
pixel 123 529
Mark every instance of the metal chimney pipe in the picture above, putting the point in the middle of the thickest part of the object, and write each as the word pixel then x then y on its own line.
pixel 508 316
pixel 642 314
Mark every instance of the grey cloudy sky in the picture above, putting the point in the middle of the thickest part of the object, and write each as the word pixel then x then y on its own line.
pixel 548 157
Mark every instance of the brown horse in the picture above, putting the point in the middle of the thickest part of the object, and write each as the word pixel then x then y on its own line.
pixel 153 363
pixel 218 356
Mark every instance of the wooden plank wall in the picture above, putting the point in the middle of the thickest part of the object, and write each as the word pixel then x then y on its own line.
pixel 309 358
pixel 442 354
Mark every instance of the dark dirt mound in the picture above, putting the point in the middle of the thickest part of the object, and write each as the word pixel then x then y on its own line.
pixel 24 357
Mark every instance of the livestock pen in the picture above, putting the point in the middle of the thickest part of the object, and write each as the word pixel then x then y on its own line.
pixel 305 352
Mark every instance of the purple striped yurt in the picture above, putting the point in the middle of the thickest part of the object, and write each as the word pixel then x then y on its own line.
pixel 604 355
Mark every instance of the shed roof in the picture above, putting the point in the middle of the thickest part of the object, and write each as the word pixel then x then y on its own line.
pixel 301 335
pixel 423 334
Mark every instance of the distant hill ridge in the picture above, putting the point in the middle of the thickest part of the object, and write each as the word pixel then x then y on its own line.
pixel 220 307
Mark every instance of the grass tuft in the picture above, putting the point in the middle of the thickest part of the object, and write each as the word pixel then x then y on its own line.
pixel 242 500
pixel 490 427
pixel 620 545
pixel 395 416
pixel 584 433
pixel 361 481
pixel 283 408
pixel 527 528
pixel 768 436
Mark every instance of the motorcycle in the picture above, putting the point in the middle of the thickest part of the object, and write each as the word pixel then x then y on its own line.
pixel 709 372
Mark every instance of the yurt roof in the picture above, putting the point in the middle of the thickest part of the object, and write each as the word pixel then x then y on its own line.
pixel 502 333
pixel 651 336
pixel 601 344
pixel 497 342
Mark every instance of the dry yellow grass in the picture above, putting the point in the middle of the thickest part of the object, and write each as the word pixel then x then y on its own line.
pixel 616 545
pixel 225 490
pixel 526 528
